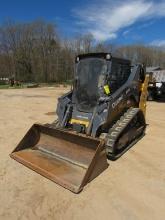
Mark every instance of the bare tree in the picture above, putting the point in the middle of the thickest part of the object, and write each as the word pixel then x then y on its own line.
pixel 34 51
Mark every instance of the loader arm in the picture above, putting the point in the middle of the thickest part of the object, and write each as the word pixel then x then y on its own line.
pixel 144 93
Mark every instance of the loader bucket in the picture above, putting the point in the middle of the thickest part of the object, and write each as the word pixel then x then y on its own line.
pixel 68 159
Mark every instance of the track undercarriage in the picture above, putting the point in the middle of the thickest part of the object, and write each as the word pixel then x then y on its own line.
pixel 126 131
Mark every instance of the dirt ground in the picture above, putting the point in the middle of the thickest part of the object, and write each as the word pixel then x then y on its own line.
pixel 132 188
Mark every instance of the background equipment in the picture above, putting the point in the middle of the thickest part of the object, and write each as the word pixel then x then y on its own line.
pixel 101 117
pixel 156 86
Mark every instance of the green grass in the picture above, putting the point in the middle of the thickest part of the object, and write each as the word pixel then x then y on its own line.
pixel 8 87
pixel 4 86
pixel 24 85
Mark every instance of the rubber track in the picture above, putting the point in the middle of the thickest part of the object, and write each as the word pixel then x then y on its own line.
pixel 116 130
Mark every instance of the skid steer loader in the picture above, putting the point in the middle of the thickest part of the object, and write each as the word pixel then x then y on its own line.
pixel 101 117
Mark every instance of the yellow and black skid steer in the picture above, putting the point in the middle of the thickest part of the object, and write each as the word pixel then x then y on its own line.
pixel 100 118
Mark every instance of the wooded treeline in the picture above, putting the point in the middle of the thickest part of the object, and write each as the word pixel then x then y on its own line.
pixel 35 52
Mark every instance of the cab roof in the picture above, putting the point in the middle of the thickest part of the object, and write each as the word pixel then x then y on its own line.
pixel 103 56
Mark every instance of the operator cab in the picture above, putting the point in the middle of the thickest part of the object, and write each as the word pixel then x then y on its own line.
pixel 98 75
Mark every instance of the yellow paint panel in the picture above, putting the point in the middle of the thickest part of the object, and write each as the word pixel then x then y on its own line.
pixel 80 122
pixel 143 97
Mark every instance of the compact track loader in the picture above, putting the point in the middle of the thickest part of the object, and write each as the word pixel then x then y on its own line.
pixel 101 117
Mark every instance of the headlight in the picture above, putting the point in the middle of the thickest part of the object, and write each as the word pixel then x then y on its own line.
pixel 158 85
pixel 77 59
pixel 108 56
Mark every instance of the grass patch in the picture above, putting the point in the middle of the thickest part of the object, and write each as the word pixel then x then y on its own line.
pixel 9 87
pixel 25 85
pixel 4 86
